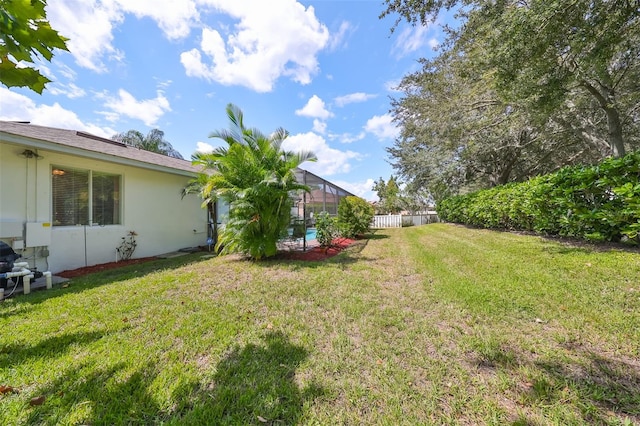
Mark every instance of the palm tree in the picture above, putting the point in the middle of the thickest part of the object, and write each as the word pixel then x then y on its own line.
pixel 256 177
pixel 154 141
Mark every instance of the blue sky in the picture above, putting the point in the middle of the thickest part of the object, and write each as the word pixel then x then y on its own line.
pixel 324 70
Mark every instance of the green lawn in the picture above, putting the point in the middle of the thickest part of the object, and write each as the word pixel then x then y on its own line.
pixel 425 325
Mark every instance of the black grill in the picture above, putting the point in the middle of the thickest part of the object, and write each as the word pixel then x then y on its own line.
pixel 7 258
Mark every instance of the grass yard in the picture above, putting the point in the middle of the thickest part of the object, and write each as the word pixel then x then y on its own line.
pixel 425 325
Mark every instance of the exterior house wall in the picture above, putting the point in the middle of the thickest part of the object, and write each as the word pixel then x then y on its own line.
pixel 151 206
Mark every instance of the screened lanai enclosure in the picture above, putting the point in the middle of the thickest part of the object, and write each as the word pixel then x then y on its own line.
pixel 324 196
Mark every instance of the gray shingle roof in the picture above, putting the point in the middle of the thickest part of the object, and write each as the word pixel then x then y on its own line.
pixel 87 145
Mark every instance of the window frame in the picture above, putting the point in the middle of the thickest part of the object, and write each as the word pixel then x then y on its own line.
pixel 90 216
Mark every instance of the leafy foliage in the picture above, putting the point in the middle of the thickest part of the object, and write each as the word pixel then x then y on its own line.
pixel 389 195
pixel 598 203
pixel 154 141
pixel 256 177
pixel 25 35
pixel 518 90
pixel 354 216
pixel 326 229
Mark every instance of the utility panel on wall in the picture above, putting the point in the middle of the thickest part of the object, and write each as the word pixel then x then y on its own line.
pixel 38 234
pixel 11 229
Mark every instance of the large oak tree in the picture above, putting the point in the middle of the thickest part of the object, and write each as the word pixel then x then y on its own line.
pixel 520 88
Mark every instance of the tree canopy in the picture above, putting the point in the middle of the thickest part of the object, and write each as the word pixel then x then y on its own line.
pixel 25 36
pixel 519 89
pixel 154 141
pixel 256 177
pixel 388 195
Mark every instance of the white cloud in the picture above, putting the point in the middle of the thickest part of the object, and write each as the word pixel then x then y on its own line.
pixel 204 148
pixel 361 189
pixel 89 26
pixel 347 137
pixel 410 40
pixel 272 39
pixel 16 107
pixel 173 17
pixel 69 90
pixel 392 85
pixel 315 109
pixel 382 127
pixel 330 160
pixel 337 38
pixel 353 98
pixel 148 111
pixel 319 126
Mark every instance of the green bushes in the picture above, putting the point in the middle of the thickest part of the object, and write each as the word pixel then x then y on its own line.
pixel 326 229
pixel 597 203
pixel 354 216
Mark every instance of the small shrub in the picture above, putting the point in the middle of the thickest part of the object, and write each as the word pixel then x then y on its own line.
pixel 354 216
pixel 326 229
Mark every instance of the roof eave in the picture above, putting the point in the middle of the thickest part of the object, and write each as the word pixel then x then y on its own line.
pixel 94 155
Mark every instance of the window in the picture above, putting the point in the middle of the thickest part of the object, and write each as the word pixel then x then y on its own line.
pixel 83 197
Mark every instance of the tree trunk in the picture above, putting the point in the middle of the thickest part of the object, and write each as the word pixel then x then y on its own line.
pixel 606 102
pixel 615 132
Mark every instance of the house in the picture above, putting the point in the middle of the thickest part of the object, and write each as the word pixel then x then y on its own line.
pixel 67 198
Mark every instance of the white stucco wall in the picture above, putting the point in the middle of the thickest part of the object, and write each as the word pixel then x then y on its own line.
pixel 152 207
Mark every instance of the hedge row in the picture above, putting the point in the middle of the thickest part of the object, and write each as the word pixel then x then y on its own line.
pixel 596 203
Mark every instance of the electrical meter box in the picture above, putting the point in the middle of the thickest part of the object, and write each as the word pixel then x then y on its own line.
pixel 11 229
pixel 38 234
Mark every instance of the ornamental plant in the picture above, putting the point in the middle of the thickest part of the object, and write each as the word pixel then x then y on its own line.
pixel 256 177
pixel 326 229
pixel 354 216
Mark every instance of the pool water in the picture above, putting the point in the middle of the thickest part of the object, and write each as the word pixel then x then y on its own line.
pixel 311 234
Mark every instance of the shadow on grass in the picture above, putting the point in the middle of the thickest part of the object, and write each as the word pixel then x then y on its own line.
pixel 254 384
pixel 23 303
pixel 374 235
pixel 99 395
pixel 15 355
pixel 602 384
pixel 598 389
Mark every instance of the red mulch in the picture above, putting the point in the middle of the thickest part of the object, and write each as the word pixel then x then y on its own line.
pixel 314 254
pixel 318 253
pixel 102 267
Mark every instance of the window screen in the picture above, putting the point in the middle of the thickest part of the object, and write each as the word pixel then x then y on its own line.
pixel 82 197
pixel 106 198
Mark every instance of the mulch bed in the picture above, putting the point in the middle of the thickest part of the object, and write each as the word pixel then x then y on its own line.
pixel 318 253
pixel 102 267
pixel 313 255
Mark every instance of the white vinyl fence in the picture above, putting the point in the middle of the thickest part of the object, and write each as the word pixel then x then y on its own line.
pixel 420 219
pixel 398 220
pixel 387 221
